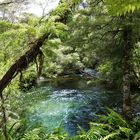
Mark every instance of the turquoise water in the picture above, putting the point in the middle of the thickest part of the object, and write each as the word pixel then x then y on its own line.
pixel 69 104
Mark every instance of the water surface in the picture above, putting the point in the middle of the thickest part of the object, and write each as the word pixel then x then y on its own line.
pixel 69 103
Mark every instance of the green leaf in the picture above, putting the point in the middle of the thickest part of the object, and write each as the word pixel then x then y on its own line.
pixel 111 135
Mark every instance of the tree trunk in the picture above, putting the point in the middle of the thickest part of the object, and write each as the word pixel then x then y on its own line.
pixel 29 56
pixel 17 67
pixel 40 61
pixel 127 50
pixel 22 62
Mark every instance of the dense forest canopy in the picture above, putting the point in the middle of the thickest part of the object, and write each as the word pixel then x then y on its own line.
pixel 100 35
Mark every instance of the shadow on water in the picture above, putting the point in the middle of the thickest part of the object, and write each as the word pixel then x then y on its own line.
pixel 71 103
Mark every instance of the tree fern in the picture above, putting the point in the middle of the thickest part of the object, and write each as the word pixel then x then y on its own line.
pixel 120 7
pixel 114 118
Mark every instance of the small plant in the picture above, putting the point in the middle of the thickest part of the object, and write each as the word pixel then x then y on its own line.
pixel 112 127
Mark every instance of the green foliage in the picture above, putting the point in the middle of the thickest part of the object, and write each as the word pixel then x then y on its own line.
pixel 105 69
pixel 5 25
pixel 120 7
pixel 135 61
pixel 33 135
pixel 28 79
pixel 61 9
pixel 91 35
pixel 111 126
pixel 114 119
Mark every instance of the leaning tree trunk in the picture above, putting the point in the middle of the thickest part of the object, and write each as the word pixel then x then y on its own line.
pixel 24 61
pixel 29 56
pixel 127 66
pixel 18 66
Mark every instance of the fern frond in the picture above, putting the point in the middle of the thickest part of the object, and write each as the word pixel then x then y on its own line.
pixel 111 135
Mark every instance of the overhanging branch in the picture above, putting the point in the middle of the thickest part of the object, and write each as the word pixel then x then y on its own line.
pixel 22 62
